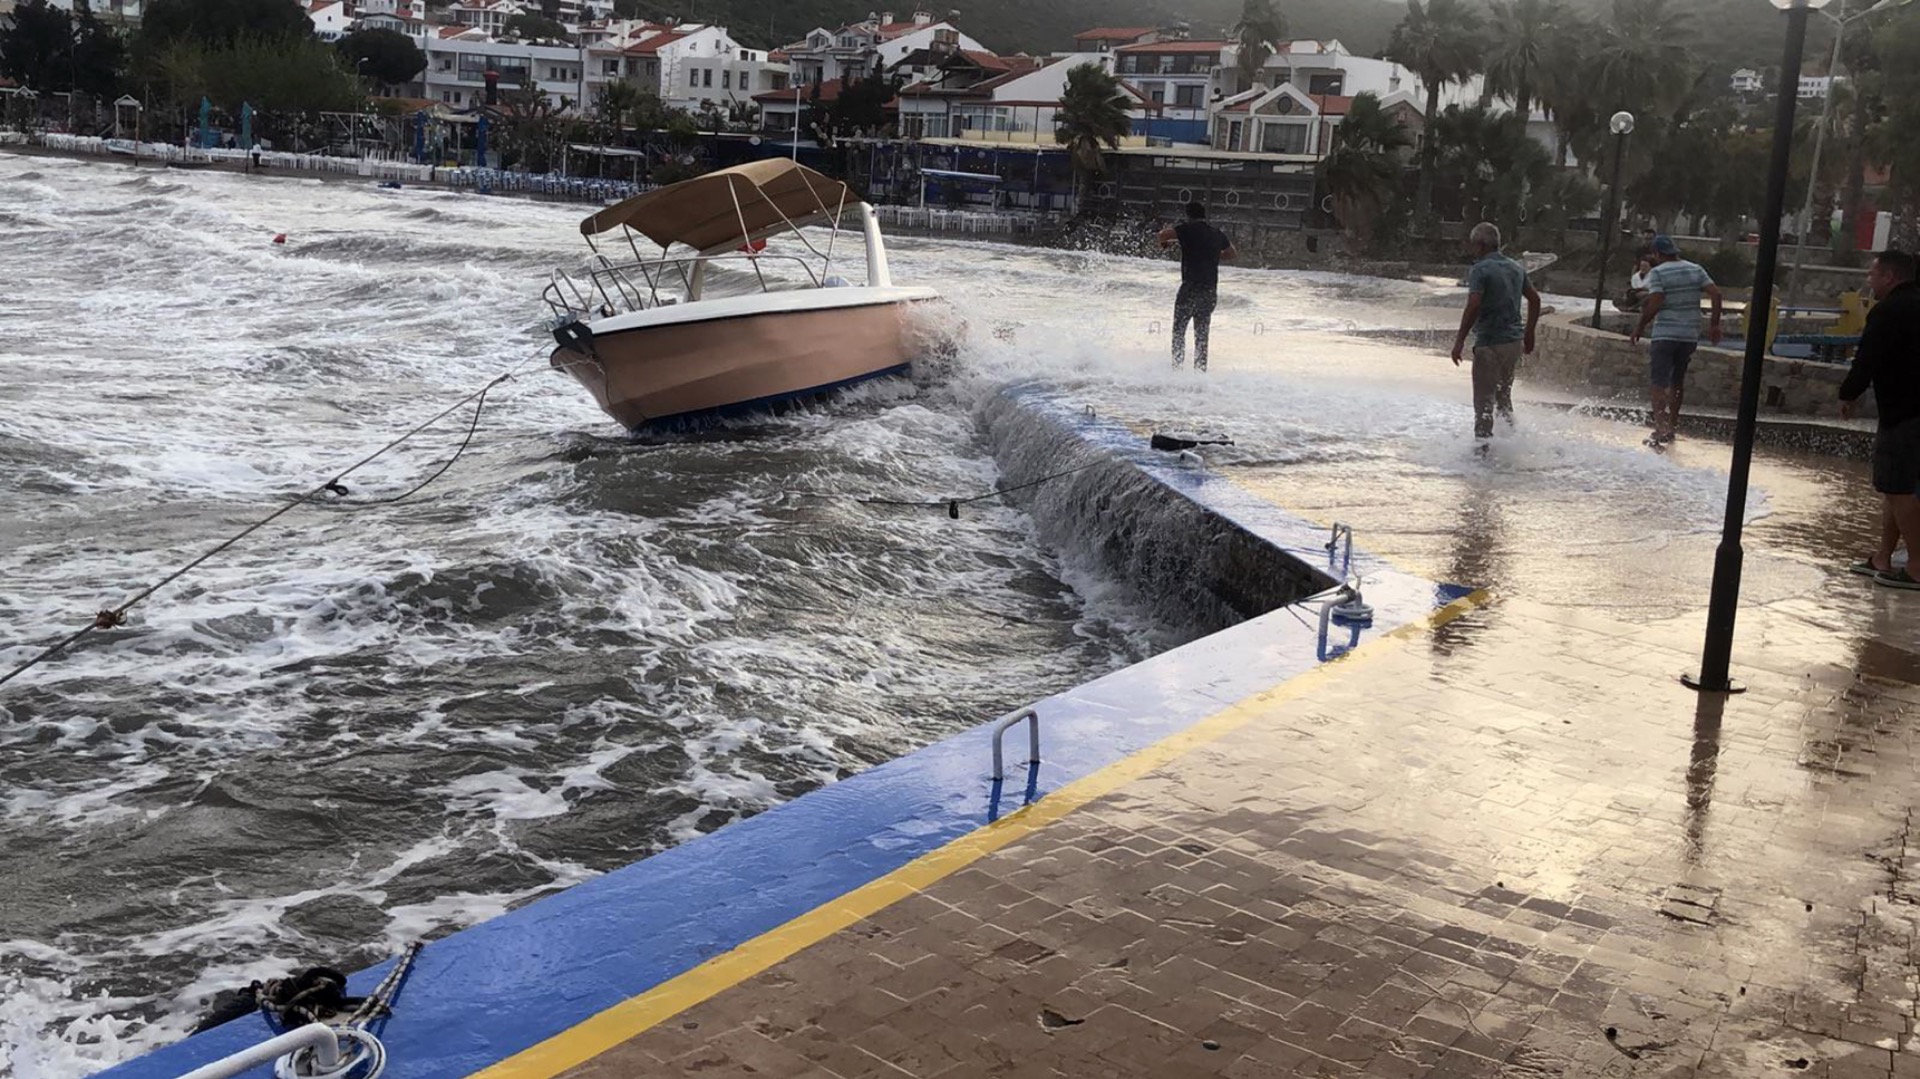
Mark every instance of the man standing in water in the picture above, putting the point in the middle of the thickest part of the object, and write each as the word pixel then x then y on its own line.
pixel 1888 360
pixel 1672 308
pixel 1495 287
pixel 1201 248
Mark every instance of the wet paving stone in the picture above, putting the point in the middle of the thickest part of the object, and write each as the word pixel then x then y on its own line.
pixel 1458 884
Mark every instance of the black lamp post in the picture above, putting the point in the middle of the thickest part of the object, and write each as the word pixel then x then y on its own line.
pixel 1621 125
pixel 1717 655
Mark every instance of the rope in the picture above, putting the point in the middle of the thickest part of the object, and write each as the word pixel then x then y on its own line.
pixel 117 616
pixel 953 504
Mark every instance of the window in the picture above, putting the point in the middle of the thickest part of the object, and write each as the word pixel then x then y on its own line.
pixel 1157 92
pixel 1326 84
pixel 726 80
pixel 1129 65
pixel 1233 135
pixel 709 78
pixel 846 41
pixel 1188 95
pixel 610 67
pixel 1284 139
pixel 693 79
pixel 1166 65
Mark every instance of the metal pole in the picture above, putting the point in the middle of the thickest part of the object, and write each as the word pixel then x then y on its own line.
pixel 1813 178
pixel 1612 223
pixel 1724 604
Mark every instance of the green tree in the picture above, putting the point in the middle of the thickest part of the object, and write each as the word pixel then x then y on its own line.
pixel 221 22
pixel 37 46
pixel 1563 89
pixel 1521 48
pixel 1644 59
pixel 527 26
pixel 862 104
pixel 1092 116
pixel 1260 30
pixel 1363 172
pixel 99 54
pixel 1438 42
pixel 613 104
pixel 1488 163
pixel 388 57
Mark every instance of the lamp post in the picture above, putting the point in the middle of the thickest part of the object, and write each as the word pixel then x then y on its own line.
pixel 1840 24
pixel 1717 654
pixel 1621 125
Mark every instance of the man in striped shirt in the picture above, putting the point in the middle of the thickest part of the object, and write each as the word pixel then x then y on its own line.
pixel 1672 309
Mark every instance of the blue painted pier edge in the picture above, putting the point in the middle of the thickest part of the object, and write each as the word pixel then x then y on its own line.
pixel 487 992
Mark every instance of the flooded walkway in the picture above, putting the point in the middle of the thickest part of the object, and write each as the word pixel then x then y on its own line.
pixel 1508 844
pixel 1505 843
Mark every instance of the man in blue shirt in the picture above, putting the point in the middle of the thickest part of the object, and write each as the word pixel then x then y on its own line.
pixel 1672 308
pixel 1495 287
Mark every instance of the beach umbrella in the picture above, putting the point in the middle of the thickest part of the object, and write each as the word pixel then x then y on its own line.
pixel 246 126
pixel 480 142
pixel 206 115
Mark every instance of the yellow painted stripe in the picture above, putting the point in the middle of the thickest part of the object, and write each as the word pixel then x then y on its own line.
pixel 629 1018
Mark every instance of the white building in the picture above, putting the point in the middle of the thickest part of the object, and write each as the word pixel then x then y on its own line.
pixel 1747 81
pixel 1182 77
pixel 855 50
pixel 111 10
pixel 331 19
pixel 457 67
pixel 1816 87
pixel 1019 105
pixel 728 81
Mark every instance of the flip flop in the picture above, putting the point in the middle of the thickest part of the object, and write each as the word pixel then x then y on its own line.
pixel 1897 579
pixel 1864 568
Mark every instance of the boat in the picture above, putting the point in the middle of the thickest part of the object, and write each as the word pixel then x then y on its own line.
pixel 661 344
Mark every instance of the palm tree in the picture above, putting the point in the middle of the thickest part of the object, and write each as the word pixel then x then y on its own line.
pixel 1488 158
pixel 1436 41
pixel 1362 174
pixel 1644 62
pixel 1563 89
pixel 1258 33
pixel 1092 116
pixel 1522 43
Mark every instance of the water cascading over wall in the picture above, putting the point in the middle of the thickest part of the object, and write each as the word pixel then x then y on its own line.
pixel 1165 531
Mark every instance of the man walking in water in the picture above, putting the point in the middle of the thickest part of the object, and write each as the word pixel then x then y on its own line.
pixel 1888 360
pixel 1495 287
pixel 1201 248
pixel 1672 308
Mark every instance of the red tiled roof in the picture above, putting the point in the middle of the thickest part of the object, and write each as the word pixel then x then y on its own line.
pixel 1174 46
pixel 895 29
pixel 651 46
pixel 1333 104
pixel 987 60
pixel 778 56
pixel 1114 33
pixel 829 90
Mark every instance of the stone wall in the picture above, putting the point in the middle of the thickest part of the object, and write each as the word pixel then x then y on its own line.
pixel 1596 363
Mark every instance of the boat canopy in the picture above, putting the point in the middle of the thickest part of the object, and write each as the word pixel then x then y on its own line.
pixel 726 208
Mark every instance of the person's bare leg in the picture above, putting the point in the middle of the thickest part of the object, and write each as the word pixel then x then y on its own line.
pixel 1675 394
pixel 1660 429
pixel 1906 514
pixel 1889 539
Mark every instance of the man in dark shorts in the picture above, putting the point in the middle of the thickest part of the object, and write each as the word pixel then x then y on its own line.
pixel 1672 309
pixel 1201 248
pixel 1888 360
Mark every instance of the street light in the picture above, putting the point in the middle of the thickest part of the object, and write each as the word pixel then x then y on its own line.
pixel 1724 603
pixel 1621 125
pixel 1840 24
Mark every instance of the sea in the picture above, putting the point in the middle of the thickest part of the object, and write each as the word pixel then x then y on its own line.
pixel 377 721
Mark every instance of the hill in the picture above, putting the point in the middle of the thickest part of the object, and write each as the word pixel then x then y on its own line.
pixel 1734 33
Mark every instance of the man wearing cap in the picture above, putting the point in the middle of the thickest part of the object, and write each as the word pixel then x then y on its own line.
pixel 1672 309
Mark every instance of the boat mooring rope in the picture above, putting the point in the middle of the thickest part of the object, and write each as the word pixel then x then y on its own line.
pixel 953 504
pixel 113 617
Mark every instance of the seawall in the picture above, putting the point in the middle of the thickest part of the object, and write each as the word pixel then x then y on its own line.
pixel 548 981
